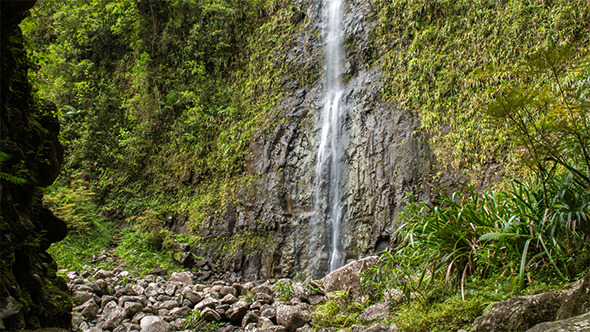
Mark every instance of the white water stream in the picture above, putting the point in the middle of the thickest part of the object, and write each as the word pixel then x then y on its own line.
pixel 329 211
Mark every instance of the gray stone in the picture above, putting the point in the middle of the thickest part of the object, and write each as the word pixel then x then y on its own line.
pixel 81 297
pixel 208 302
pixel 348 277
pixel 89 309
pixel 155 324
pixel 375 312
pixel 170 304
pixel 291 317
pixel 138 289
pixel 237 311
pixel 180 312
pixel 229 299
pixel 184 278
pixel 132 308
pixel 170 289
pixel 518 313
pixel 210 314
pixel 113 315
pixel 249 318
pixel 573 324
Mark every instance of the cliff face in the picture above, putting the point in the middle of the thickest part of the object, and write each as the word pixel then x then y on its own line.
pixel 385 160
pixel 31 295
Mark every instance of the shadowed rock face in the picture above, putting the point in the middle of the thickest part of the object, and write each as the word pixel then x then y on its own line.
pixel 31 295
pixel 384 160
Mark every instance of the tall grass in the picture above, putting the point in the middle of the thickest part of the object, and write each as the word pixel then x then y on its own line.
pixel 527 230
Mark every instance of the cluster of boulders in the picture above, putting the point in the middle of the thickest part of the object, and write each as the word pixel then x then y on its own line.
pixel 119 302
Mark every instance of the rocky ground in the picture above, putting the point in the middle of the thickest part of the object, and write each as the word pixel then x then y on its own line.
pixel 119 302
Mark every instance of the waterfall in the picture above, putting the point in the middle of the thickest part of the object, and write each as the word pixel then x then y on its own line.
pixel 329 209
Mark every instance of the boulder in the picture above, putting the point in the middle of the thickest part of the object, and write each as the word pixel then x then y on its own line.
pixel 89 309
pixel 576 301
pixel 291 317
pixel 348 277
pixel 210 315
pixel 184 278
pixel 154 324
pixel 518 313
pixel 208 302
pixel 375 312
pixel 113 315
pixel 574 324
pixel 237 311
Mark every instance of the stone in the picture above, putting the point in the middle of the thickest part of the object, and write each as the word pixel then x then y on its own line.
pixel 138 289
pixel 208 302
pixel 170 289
pixel 89 309
pixel 573 324
pixel 348 277
pixel 155 324
pixel 291 317
pixel 375 312
pixel 101 274
pixel 210 315
pixel 170 304
pixel 113 315
pixel 263 298
pixel 229 299
pixel 106 299
pixel 237 311
pixel 576 301
pixel 132 308
pixel 518 313
pixel 82 297
pixel 270 313
pixel 152 290
pixel 250 317
pixel 184 278
pixel 180 312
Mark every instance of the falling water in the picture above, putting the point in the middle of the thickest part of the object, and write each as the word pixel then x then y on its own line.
pixel 330 157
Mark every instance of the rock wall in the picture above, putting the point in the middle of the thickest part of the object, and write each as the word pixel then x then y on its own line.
pixel 385 161
pixel 31 295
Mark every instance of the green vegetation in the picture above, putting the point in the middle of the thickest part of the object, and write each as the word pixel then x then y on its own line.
pixel 159 100
pixel 441 58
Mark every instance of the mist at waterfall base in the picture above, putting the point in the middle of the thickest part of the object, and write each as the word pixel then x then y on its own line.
pixel 329 208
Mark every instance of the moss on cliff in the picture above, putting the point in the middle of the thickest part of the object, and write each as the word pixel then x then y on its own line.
pixel 442 59
pixel 31 294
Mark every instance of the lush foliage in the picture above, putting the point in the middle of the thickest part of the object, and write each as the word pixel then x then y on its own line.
pixel 158 102
pixel 434 54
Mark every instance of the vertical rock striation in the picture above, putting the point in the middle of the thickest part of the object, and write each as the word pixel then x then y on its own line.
pixel 386 160
pixel 31 295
